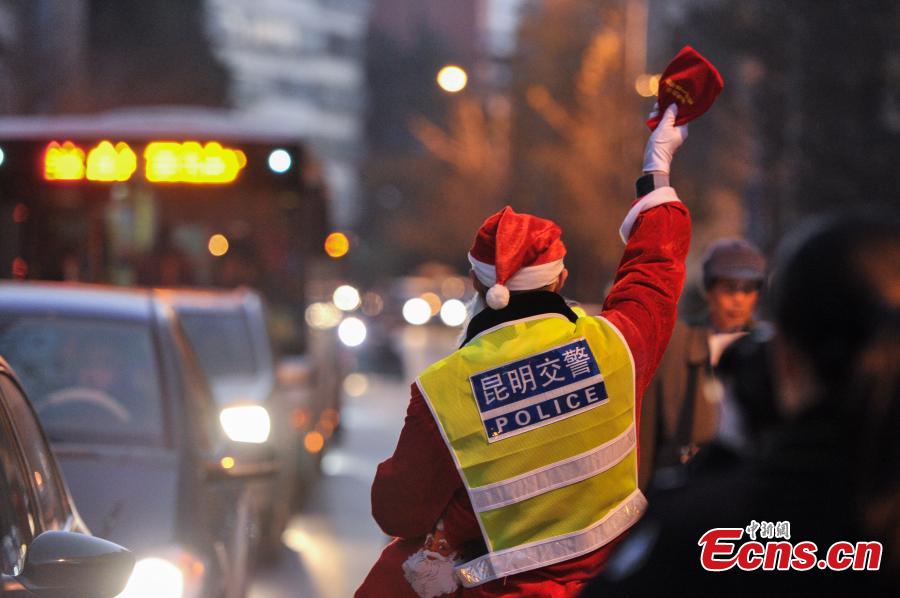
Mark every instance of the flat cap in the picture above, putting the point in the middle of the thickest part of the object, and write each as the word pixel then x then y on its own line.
pixel 734 259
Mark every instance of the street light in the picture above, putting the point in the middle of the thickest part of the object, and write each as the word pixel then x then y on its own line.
pixel 452 78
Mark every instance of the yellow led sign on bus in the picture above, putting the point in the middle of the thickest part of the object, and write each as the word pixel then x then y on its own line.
pixel 63 162
pixel 106 163
pixel 164 162
pixel 191 162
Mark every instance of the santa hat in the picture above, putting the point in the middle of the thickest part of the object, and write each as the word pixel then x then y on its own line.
pixel 517 252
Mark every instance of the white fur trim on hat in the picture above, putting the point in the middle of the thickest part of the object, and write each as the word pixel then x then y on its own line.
pixel 651 200
pixel 526 279
pixel 497 297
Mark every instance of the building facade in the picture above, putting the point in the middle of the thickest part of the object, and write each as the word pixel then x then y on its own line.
pixel 298 63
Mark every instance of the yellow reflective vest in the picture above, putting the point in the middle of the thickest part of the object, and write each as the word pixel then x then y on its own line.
pixel 539 416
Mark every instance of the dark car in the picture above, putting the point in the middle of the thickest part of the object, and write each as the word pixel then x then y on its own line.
pixel 45 548
pixel 228 332
pixel 136 431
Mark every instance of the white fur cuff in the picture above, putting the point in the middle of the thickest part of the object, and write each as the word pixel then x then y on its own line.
pixel 431 574
pixel 655 198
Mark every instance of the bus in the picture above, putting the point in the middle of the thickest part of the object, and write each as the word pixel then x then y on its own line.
pixel 176 197
pixel 164 197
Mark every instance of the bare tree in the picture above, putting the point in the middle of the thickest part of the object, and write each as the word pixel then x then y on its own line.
pixel 475 147
pixel 591 155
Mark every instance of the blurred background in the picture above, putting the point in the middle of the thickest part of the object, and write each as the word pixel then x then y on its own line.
pixel 364 141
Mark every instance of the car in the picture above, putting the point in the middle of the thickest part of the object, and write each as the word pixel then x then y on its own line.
pixel 134 426
pixel 228 332
pixel 45 547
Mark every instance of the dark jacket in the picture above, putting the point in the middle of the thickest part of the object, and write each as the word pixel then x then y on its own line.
pixel 806 474
pixel 666 421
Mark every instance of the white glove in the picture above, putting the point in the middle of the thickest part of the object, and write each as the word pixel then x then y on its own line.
pixel 664 141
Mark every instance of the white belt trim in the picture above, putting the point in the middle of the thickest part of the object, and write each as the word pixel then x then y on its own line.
pixel 553 550
pixel 556 475
pixel 504 409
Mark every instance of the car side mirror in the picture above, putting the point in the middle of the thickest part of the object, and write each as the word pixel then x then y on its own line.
pixel 70 565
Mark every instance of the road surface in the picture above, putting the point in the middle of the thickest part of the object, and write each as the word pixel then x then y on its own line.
pixel 332 542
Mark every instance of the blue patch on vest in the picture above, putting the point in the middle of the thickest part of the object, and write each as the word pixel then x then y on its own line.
pixel 538 390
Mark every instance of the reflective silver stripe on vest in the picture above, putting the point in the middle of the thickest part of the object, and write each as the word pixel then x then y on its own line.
pixel 553 550
pixel 553 476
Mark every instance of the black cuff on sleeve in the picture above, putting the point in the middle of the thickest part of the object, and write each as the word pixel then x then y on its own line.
pixel 644 185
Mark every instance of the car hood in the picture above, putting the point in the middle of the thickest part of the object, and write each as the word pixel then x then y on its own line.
pixel 125 495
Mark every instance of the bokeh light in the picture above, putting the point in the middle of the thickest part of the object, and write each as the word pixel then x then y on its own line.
pixel 352 332
pixel 314 442
pixel 337 245
pixel 434 302
pixel 356 384
pixel 218 245
pixel 453 312
pixel 19 268
pixel 372 304
pixel 452 78
pixel 346 298
pixel 416 311
pixel 647 85
pixel 453 287
pixel 280 161
pixel 20 213
pixel 323 316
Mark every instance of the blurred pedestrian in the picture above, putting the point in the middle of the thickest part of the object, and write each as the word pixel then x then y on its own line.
pixel 749 398
pixel 516 469
pixel 831 469
pixel 681 410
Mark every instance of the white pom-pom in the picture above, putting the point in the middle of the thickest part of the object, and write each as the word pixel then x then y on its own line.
pixel 497 297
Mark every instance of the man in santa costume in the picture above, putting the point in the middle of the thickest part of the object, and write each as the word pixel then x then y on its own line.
pixel 516 469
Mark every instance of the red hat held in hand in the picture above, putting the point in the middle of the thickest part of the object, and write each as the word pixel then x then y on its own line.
pixel 692 82
pixel 517 252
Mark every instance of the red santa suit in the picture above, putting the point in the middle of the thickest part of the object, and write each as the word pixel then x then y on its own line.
pixel 420 485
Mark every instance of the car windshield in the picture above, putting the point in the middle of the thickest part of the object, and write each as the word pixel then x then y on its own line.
pixel 89 380
pixel 222 342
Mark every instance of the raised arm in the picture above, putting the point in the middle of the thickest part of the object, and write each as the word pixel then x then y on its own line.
pixel 643 301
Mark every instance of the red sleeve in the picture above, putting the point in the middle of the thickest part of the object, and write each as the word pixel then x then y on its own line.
pixel 643 301
pixel 414 486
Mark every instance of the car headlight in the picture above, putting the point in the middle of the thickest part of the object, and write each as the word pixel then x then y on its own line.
pixel 154 578
pixel 246 423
